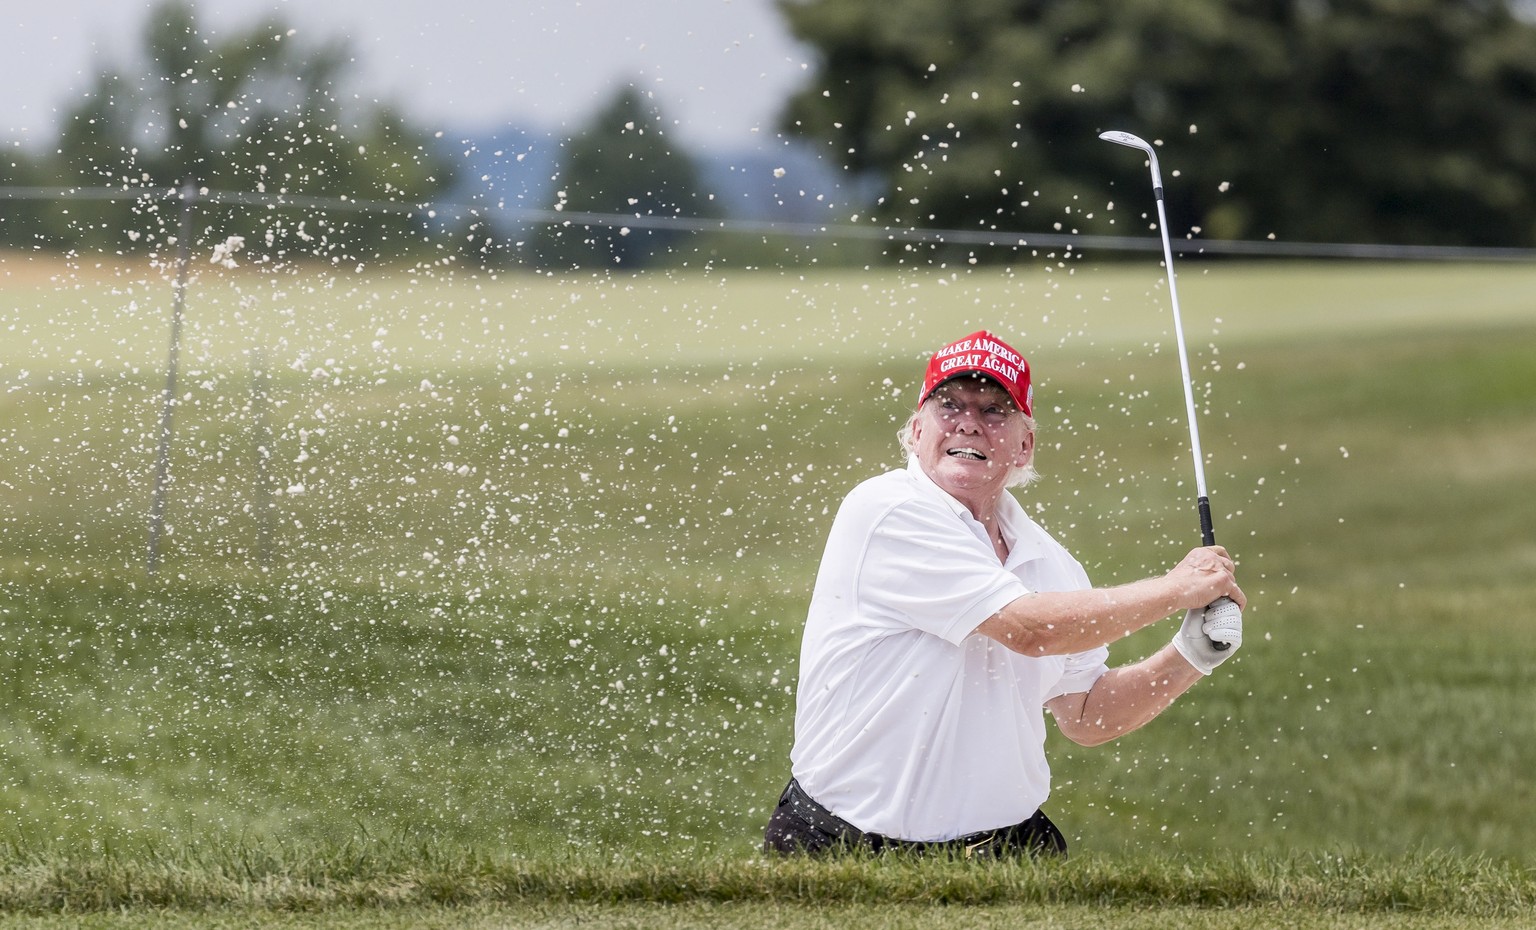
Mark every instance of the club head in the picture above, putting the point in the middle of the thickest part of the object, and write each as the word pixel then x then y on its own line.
pixel 1125 138
pixel 1137 142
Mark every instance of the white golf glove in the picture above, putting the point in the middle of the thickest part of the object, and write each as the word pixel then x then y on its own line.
pixel 1203 629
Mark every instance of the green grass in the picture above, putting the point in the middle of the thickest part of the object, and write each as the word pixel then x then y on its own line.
pixel 416 886
pixel 506 631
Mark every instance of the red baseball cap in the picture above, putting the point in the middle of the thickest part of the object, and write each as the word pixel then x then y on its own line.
pixel 982 353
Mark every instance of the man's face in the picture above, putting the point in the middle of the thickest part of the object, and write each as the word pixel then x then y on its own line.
pixel 968 436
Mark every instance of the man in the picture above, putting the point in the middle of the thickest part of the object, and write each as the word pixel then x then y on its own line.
pixel 944 619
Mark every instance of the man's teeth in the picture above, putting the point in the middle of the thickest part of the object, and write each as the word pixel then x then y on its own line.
pixel 968 454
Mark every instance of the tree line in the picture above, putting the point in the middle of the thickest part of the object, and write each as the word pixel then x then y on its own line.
pixel 259 118
pixel 260 112
pixel 1397 121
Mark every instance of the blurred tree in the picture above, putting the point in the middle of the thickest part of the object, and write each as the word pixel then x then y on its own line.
pixel 256 112
pixel 1407 121
pixel 621 163
pixel 23 221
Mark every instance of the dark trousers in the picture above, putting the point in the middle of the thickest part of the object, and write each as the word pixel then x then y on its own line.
pixel 799 825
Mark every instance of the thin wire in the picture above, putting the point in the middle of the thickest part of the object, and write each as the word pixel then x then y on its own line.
pixel 991 238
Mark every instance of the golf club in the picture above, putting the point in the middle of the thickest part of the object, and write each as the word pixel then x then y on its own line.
pixel 1224 608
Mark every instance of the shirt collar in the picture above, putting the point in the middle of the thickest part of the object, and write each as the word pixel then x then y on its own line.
pixel 1022 534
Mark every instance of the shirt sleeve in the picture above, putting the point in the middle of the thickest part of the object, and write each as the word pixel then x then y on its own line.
pixel 925 569
pixel 1079 672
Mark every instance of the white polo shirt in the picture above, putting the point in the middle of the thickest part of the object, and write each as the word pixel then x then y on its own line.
pixel 908 723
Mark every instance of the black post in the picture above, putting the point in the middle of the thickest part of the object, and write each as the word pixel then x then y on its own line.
pixel 263 452
pixel 168 402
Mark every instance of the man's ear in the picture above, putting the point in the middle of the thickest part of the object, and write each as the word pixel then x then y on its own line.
pixel 1027 451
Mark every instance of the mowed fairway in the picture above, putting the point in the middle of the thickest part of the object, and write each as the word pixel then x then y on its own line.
pixel 481 595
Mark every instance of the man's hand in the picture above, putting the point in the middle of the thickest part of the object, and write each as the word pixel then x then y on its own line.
pixel 1223 623
pixel 1053 623
pixel 1202 629
pixel 1202 576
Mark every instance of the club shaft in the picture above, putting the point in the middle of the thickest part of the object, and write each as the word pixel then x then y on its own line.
pixel 1223 608
pixel 1189 390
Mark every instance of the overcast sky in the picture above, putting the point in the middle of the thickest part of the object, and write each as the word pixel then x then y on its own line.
pixel 719 68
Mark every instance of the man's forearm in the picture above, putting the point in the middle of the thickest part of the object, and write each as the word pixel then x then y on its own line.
pixel 1124 698
pixel 1062 622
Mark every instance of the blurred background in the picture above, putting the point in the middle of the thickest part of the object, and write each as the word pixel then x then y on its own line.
pixel 638 133
pixel 520 353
